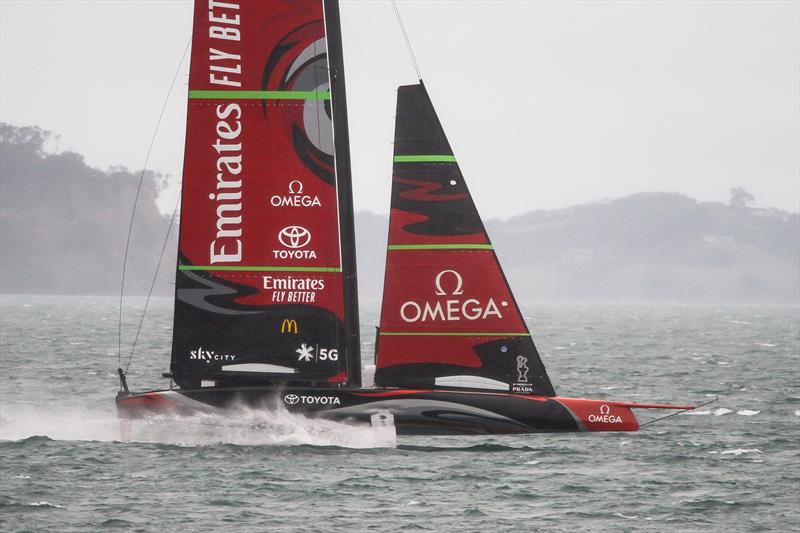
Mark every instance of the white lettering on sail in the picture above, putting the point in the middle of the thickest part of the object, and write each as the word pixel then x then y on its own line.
pixel 227 247
pixel 450 309
pixel 307 354
pixel 295 198
pixel 293 290
pixel 209 356
pixel 225 67
pixel 294 238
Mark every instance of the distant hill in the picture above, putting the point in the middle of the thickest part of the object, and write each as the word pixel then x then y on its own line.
pixel 648 247
pixel 63 224
pixel 63 227
pixel 653 247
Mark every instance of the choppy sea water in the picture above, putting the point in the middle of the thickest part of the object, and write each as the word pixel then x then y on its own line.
pixel 732 465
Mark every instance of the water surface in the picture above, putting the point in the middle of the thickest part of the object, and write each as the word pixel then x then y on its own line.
pixel 733 465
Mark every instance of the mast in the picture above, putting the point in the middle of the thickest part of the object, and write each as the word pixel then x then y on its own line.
pixel 341 138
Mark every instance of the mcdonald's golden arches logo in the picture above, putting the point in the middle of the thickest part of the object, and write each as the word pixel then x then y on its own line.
pixel 289 325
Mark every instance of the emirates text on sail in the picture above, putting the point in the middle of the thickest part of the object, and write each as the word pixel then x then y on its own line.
pixel 293 290
pixel 225 69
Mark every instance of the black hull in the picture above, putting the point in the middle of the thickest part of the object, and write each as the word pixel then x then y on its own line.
pixel 415 412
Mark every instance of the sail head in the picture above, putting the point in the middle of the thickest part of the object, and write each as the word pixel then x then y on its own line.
pixel 448 317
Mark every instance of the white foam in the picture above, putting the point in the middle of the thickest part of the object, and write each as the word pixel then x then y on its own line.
pixel 797 412
pixel 747 412
pixel 740 451
pixel 695 413
pixel 633 517
pixel 44 504
pixel 241 426
pixel 722 411
pixel 768 345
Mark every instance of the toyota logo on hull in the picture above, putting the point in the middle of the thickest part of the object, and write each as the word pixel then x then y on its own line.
pixel 294 237
pixel 291 399
pixel 294 399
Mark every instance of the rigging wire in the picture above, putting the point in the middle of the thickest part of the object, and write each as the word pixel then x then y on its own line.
pixel 136 202
pixel 153 283
pixel 408 42
pixel 715 399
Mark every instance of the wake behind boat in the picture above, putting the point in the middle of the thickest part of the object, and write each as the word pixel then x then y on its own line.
pixel 266 306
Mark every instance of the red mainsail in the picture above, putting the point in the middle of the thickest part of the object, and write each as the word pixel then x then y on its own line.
pixel 265 285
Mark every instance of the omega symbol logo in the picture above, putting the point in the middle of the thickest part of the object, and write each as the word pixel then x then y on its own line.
pixel 291 399
pixel 458 283
pixel 604 409
pixel 295 187
pixel 294 236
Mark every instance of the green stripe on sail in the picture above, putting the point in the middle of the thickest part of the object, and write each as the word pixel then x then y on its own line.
pixel 260 268
pixel 453 334
pixel 424 159
pixel 261 95
pixel 440 247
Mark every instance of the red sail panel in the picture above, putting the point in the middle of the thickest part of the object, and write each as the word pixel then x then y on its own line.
pixel 448 316
pixel 260 245
pixel 449 291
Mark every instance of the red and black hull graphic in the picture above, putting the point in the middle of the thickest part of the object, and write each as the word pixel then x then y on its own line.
pixel 449 318
pixel 265 284
pixel 415 411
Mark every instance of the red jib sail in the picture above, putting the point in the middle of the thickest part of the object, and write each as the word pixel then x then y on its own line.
pixel 265 288
pixel 448 317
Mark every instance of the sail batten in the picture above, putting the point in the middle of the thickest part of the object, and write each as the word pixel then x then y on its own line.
pixel 264 277
pixel 424 158
pixel 259 268
pixel 454 334
pixel 440 247
pixel 259 95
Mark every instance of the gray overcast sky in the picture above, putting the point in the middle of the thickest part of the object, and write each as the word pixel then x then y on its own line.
pixel 546 104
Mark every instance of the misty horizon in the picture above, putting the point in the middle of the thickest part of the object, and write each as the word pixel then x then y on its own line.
pixel 166 201
pixel 646 247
